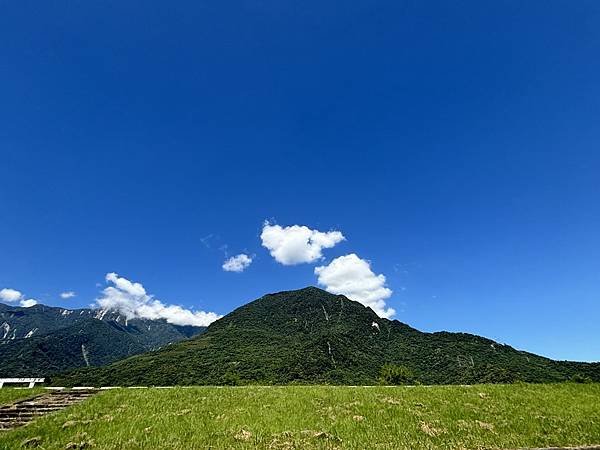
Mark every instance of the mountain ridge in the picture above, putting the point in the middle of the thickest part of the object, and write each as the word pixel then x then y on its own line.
pixel 42 340
pixel 312 336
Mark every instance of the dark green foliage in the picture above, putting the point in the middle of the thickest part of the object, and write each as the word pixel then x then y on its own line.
pixel 90 342
pixel 41 340
pixel 311 336
pixel 231 378
pixel 393 375
pixel 579 378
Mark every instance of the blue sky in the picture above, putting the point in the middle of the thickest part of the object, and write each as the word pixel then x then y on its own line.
pixel 454 145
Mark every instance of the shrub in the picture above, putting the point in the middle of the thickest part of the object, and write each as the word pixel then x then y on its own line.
pixel 395 375
pixel 579 378
pixel 231 378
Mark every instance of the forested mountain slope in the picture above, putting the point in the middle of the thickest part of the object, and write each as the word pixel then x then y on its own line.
pixel 311 336
pixel 43 340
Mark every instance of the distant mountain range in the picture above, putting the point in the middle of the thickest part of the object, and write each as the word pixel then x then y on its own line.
pixel 43 340
pixel 311 336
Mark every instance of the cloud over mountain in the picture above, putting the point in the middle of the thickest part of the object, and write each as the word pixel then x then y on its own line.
pixel 12 295
pixel 297 244
pixel 352 276
pixel 237 263
pixel 132 300
pixel 28 303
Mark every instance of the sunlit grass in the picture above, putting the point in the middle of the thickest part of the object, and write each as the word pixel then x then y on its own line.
pixel 305 417
pixel 9 395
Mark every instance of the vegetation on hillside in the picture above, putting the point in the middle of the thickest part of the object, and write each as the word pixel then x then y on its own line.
pixel 312 337
pixel 42 340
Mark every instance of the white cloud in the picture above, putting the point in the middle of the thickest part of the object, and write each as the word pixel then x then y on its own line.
pixel 12 295
pixel 28 303
pixel 297 244
pixel 67 294
pixel 237 263
pixel 352 276
pixel 123 284
pixel 132 300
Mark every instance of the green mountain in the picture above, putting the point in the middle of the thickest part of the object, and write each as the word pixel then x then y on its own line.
pixel 311 336
pixel 42 340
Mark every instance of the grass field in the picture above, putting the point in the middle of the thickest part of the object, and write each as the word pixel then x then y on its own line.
pixel 444 417
pixel 9 395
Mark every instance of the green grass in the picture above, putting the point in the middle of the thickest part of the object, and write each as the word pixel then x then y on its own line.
pixel 305 417
pixel 9 395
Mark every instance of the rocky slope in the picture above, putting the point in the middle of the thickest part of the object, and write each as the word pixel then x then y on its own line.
pixel 43 340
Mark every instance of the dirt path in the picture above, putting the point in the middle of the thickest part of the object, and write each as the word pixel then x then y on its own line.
pixel 25 411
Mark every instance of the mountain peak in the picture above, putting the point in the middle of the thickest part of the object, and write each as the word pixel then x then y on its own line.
pixel 290 308
pixel 309 335
pixel 41 340
pixel 304 290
